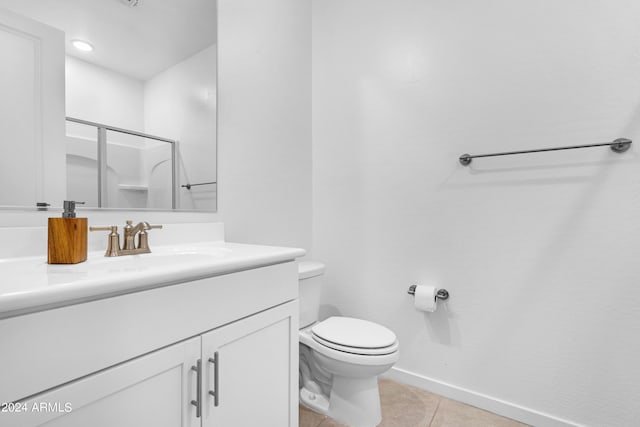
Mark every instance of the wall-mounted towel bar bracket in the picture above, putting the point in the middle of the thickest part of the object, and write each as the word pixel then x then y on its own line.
pixel 188 186
pixel 619 145
pixel 442 294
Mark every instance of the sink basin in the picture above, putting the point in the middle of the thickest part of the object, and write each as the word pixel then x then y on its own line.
pixel 191 250
pixel 29 273
pixel 30 284
pixel 144 261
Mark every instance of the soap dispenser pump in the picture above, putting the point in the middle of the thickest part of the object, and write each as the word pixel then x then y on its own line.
pixel 67 237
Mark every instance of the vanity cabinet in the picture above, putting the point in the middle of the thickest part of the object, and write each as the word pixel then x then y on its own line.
pixel 152 390
pixel 132 360
pixel 251 383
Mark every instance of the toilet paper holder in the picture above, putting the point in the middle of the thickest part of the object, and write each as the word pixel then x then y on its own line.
pixel 442 294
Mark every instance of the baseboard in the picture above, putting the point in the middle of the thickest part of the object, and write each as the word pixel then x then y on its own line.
pixel 479 400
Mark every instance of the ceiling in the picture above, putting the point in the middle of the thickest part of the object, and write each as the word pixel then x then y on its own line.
pixel 139 41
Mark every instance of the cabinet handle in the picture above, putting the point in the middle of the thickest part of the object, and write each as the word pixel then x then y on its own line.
pixel 197 403
pixel 215 393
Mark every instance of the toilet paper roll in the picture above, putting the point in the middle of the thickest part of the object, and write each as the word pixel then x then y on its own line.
pixel 425 298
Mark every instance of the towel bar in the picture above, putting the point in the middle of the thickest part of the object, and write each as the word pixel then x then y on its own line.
pixel 619 145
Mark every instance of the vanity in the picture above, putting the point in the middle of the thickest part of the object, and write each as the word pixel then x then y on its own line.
pixel 200 332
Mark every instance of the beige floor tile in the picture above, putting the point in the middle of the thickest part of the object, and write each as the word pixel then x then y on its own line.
pixel 455 414
pixel 402 406
pixel 308 418
pixel 331 423
pixel 406 406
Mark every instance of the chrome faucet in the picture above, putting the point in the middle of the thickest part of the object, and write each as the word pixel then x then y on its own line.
pixel 130 232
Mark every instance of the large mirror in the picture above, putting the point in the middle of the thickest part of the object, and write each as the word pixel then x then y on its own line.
pixel 139 105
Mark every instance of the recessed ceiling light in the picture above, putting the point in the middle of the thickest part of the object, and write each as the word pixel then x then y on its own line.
pixel 82 45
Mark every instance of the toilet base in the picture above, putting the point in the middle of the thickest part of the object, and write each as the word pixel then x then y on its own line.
pixel 315 401
pixel 353 401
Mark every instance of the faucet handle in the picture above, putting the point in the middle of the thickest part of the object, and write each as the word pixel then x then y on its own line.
pixel 113 244
pixel 111 228
pixel 143 239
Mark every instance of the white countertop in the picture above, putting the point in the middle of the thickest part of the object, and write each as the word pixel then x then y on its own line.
pixel 29 284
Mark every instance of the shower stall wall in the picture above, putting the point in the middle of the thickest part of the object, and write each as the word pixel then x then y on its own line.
pixel 125 169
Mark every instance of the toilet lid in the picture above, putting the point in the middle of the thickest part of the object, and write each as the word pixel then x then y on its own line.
pixel 358 350
pixel 354 333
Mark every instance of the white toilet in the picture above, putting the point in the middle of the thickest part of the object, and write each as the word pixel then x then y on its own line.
pixel 340 358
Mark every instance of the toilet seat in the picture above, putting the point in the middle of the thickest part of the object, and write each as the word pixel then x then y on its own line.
pixel 358 350
pixel 353 336
pixel 351 332
pixel 306 337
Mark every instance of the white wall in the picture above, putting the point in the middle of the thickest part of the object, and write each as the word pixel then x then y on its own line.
pixel 264 149
pixel 180 104
pixel 100 95
pixel 539 251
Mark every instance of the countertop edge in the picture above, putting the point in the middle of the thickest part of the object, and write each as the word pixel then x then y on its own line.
pixel 18 304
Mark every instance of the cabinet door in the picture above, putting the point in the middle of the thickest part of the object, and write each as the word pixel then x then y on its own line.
pixel 252 368
pixel 153 390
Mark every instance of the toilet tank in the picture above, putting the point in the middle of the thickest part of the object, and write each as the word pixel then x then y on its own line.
pixel 310 285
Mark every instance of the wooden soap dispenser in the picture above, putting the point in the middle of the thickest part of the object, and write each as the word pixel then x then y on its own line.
pixel 67 237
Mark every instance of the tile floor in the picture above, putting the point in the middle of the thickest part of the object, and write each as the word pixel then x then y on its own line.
pixel 406 406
